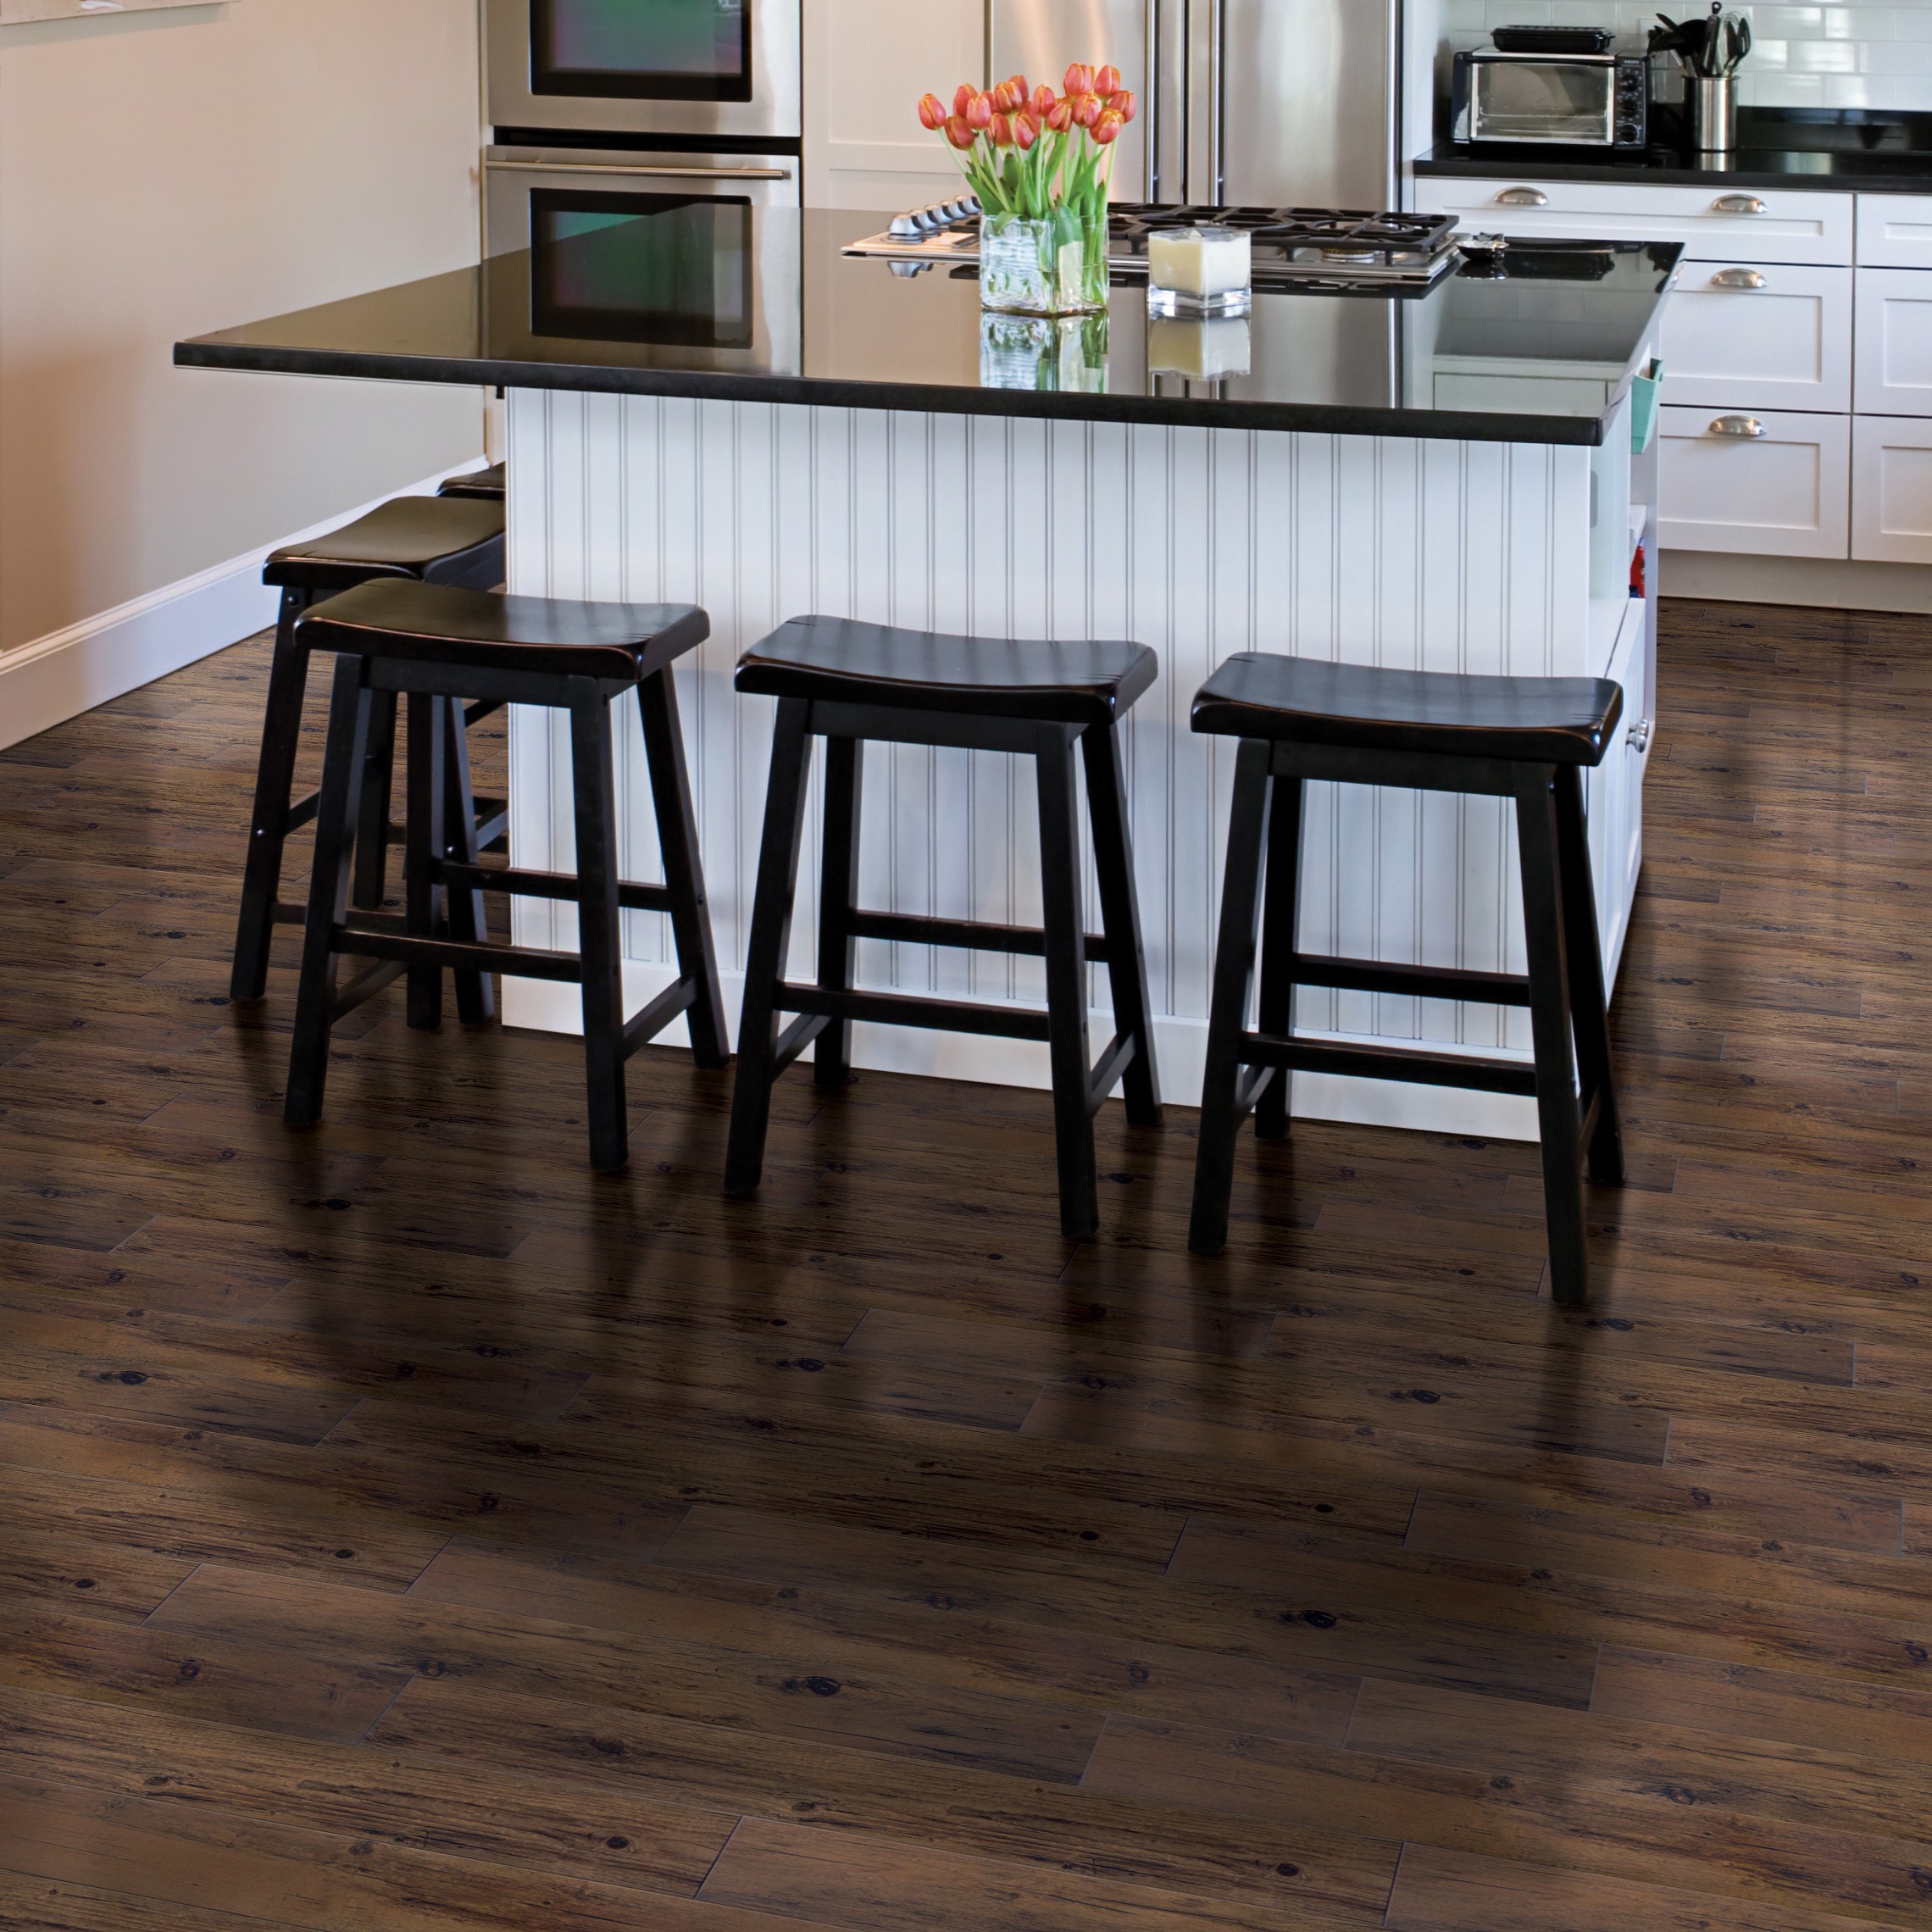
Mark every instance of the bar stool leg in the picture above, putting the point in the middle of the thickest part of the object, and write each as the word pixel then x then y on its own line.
pixel 1120 916
pixel 677 840
pixel 469 920
pixel 425 845
pixel 770 945
pixel 1280 937
pixel 594 781
pixel 1590 999
pixel 268 824
pixel 1067 984
pixel 378 771
pixel 1221 1111
pixel 1556 1110
pixel 844 771
pixel 329 890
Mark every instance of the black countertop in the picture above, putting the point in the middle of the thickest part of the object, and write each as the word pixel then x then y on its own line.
pixel 768 309
pixel 1848 150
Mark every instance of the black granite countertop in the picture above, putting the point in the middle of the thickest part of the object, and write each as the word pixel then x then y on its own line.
pixel 762 305
pixel 1848 150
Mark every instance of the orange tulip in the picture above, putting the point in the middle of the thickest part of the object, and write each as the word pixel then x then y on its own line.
pixel 1088 109
pixel 1125 104
pixel 1003 131
pixel 932 112
pixel 1080 80
pixel 964 99
pixel 1107 81
pixel 1025 132
pixel 1060 116
pixel 1107 128
pixel 1042 102
pixel 960 134
pixel 979 112
pixel 1018 90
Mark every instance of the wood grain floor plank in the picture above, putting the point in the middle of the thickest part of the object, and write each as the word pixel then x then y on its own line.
pixel 875 1886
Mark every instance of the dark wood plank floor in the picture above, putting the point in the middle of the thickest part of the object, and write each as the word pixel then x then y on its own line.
pixel 402 1528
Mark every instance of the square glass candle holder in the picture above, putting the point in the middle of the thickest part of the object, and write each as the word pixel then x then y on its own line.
pixel 1200 271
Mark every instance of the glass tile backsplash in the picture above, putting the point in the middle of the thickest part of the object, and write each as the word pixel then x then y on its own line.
pixel 1839 54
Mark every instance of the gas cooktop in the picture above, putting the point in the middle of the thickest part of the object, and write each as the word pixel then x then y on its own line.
pixel 1291 245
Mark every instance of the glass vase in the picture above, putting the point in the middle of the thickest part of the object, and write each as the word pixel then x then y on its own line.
pixel 1055 266
pixel 1064 353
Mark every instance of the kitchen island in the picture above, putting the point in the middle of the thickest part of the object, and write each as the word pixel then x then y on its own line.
pixel 743 415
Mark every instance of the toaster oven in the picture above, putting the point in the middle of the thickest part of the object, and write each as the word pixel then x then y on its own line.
pixel 1567 100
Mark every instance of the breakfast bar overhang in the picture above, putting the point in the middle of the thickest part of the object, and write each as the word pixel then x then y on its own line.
pixel 1446 479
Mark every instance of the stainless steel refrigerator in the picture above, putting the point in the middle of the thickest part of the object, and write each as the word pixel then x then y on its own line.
pixel 1269 103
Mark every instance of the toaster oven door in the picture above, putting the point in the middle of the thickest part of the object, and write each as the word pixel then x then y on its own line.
pixel 1572 101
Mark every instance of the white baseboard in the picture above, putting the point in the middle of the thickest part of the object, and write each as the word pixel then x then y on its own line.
pixel 1825 583
pixel 546 1006
pixel 59 676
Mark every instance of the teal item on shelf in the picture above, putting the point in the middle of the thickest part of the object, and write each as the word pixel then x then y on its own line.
pixel 1643 407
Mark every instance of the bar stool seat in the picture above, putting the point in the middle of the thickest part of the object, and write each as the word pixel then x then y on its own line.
pixel 835 660
pixel 425 539
pixel 849 682
pixel 440 646
pixel 491 484
pixel 1444 714
pixel 1525 739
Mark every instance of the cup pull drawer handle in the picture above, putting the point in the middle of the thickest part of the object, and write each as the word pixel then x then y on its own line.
pixel 1641 736
pixel 1738 278
pixel 1523 197
pixel 1748 427
pixel 1738 204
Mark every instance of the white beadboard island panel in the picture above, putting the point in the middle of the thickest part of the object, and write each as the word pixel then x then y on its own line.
pixel 1435 555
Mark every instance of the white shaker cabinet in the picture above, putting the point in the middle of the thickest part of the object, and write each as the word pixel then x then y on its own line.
pixel 1766 483
pixel 1797 353
pixel 1895 231
pixel 1892 488
pixel 1759 336
pixel 1894 363
pixel 1719 224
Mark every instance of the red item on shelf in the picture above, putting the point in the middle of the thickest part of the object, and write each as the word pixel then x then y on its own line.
pixel 1638 586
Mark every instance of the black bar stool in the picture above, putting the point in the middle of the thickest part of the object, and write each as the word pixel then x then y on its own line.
pixel 487 485
pixel 424 538
pixel 848 682
pixel 440 646
pixel 1527 739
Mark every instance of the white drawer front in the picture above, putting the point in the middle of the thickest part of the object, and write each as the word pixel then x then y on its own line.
pixel 1895 342
pixel 1891 519
pixel 1783 492
pixel 1895 231
pixel 1759 336
pixel 1713 223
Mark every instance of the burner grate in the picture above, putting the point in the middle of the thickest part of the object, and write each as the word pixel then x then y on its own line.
pixel 1291 245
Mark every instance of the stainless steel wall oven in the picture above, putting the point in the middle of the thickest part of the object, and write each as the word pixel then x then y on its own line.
pixel 727 68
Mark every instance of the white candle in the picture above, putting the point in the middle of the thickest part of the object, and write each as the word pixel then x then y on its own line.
pixel 1204 265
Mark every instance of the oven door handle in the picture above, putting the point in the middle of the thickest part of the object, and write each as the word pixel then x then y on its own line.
pixel 617 168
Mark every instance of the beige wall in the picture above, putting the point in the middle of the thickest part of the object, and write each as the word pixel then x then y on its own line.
pixel 165 174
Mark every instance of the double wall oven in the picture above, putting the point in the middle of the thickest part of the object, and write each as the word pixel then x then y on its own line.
pixel 642 140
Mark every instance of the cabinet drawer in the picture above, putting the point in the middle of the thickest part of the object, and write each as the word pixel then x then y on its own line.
pixel 1895 231
pixel 1891 501
pixel 1714 225
pixel 1785 492
pixel 1759 336
pixel 1893 369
